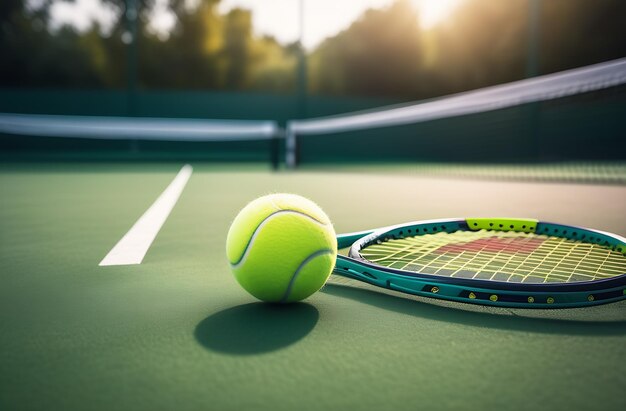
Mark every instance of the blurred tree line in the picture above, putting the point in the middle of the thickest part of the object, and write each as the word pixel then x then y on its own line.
pixel 383 53
pixel 205 50
pixel 484 42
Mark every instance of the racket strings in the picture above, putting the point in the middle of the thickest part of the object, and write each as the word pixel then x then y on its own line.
pixel 503 256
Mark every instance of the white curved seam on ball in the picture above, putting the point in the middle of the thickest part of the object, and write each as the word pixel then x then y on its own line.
pixel 295 275
pixel 265 221
pixel 276 206
pixel 279 208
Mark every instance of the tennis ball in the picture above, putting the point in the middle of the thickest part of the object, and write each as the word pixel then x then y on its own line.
pixel 281 248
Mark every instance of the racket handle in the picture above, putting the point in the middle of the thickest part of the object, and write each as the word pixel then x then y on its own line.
pixel 346 240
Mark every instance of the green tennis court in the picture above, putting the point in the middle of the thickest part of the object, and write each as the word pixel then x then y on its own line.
pixel 176 331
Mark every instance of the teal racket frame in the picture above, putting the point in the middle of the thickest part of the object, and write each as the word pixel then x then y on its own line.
pixel 477 291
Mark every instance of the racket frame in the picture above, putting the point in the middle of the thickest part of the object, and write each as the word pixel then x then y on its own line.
pixel 477 291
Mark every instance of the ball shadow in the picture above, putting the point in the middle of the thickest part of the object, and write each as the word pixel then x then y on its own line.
pixel 256 328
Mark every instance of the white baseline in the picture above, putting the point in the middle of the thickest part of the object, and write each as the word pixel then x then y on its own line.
pixel 132 248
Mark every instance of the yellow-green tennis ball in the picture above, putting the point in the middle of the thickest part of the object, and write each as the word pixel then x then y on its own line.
pixel 281 248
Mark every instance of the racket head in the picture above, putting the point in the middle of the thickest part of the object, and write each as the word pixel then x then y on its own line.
pixel 514 261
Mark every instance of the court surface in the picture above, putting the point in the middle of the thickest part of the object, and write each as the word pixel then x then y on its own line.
pixel 177 332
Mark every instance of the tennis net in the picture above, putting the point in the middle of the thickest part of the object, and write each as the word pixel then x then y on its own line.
pixel 572 115
pixel 126 137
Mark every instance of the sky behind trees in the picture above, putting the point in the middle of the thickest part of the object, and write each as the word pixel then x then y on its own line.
pixel 277 18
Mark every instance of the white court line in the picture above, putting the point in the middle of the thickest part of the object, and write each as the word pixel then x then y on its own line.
pixel 132 248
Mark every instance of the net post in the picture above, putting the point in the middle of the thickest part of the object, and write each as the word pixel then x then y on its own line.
pixel 290 147
pixel 277 134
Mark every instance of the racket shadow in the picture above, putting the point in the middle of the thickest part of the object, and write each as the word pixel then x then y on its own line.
pixel 256 328
pixel 575 321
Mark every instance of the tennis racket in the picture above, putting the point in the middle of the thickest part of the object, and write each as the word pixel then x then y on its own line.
pixel 491 261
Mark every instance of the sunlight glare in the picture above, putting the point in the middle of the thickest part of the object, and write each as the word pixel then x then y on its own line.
pixel 432 12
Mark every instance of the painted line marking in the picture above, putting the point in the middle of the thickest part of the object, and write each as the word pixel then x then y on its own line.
pixel 132 248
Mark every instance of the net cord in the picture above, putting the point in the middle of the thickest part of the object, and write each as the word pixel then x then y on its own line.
pixel 122 128
pixel 542 88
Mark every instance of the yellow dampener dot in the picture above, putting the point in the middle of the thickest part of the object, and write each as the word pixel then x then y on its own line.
pixel 591 297
pixel 472 295
pixel 493 298
pixel 531 299
pixel 550 300
pixel 434 290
